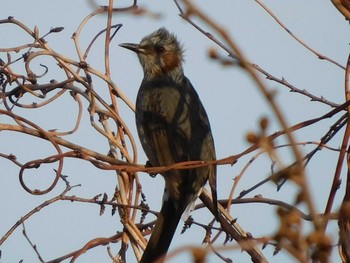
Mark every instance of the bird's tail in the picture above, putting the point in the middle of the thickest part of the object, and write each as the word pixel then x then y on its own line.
pixel 163 233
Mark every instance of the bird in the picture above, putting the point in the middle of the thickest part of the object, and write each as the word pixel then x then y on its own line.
pixel 173 127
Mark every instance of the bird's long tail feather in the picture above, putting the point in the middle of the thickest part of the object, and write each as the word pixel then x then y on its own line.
pixel 163 233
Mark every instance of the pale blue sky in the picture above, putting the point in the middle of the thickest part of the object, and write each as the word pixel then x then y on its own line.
pixel 233 103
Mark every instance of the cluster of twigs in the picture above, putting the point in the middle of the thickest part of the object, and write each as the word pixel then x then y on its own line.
pixel 104 116
pixel 128 199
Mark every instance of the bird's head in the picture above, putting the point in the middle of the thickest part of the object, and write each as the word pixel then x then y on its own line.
pixel 160 53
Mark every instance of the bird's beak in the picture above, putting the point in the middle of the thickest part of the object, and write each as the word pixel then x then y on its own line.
pixel 133 47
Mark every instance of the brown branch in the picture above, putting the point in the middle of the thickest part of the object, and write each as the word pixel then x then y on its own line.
pixel 319 55
pixel 232 228
pixel 34 211
pixel 110 163
pixel 343 150
pixel 31 243
pixel 292 88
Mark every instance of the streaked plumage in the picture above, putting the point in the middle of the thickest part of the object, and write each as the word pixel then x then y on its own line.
pixel 173 127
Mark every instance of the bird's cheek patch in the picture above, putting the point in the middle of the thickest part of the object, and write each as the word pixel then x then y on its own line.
pixel 171 61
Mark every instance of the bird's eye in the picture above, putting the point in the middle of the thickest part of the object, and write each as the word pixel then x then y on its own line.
pixel 159 49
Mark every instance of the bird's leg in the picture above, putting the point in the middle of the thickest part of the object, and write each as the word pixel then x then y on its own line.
pixel 147 165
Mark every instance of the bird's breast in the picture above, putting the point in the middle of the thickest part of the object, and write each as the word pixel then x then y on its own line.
pixel 164 102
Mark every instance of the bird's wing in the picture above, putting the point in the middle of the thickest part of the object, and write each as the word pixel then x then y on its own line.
pixel 163 141
pixel 202 143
